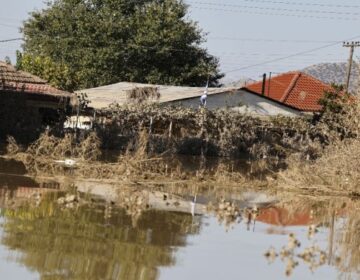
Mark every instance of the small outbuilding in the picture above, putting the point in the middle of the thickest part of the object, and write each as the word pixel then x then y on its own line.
pixel 28 103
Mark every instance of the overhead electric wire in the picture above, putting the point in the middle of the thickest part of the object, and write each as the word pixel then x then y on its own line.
pixel 273 9
pixel 303 4
pixel 248 12
pixel 224 54
pixel 289 56
pixel 268 40
pixel 242 54
pixel 274 14
pixel 11 40
pixel 284 63
pixel 9 25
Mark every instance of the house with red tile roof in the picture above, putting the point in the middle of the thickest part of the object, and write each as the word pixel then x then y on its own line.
pixel 16 82
pixel 295 90
pixel 27 102
pixel 290 94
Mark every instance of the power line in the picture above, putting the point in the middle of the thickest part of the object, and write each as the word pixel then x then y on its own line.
pixel 241 39
pixel 223 54
pixel 285 63
pixel 11 19
pixel 304 4
pixel 11 40
pixel 289 56
pixel 274 9
pixel 236 63
pixel 275 14
pixel 236 54
pixel 268 40
pixel 8 25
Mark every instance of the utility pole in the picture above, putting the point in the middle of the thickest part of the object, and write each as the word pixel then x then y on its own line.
pixel 352 46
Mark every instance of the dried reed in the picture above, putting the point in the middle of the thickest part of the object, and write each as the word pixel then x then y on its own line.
pixel 139 95
pixel 337 171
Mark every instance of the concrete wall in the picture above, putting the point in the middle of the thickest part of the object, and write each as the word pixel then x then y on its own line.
pixel 241 101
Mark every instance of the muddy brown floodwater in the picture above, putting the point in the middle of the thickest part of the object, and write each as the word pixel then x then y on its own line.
pixel 65 228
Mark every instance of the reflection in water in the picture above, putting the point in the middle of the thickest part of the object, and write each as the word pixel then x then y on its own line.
pixel 341 221
pixel 349 245
pixel 135 232
pixel 83 243
pixel 291 254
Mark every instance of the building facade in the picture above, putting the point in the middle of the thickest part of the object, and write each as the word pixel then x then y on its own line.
pixel 28 104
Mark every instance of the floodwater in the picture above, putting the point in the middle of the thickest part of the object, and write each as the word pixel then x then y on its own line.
pixel 83 229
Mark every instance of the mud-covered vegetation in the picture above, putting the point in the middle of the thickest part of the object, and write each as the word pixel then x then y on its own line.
pixel 210 133
pixel 52 156
pixel 319 153
pixel 336 170
pixel 139 95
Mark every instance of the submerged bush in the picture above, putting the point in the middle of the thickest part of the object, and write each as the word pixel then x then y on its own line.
pixel 202 132
pixel 51 147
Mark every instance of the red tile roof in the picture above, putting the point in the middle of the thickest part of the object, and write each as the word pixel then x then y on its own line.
pixel 282 217
pixel 12 80
pixel 294 89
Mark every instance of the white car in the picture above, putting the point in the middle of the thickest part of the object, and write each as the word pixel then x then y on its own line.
pixel 79 122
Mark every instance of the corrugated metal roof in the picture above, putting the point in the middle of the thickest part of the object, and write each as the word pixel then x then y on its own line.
pixel 102 97
pixel 12 80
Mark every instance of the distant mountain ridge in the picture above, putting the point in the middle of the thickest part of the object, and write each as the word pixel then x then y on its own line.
pixel 326 72
pixel 335 73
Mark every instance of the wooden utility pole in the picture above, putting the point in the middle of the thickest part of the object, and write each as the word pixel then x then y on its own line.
pixel 352 46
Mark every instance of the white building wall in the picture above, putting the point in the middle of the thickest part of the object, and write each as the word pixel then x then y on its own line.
pixel 241 101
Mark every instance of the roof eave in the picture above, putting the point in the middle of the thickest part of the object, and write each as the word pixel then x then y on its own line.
pixel 278 102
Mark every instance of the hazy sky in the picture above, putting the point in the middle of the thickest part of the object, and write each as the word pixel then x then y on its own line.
pixel 244 33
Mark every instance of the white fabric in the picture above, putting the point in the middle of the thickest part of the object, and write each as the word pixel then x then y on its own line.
pixel 203 99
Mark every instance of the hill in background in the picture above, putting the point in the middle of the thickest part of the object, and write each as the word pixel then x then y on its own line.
pixel 335 73
pixel 242 82
pixel 326 72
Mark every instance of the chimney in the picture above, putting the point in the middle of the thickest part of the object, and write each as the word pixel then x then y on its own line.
pixel 263 84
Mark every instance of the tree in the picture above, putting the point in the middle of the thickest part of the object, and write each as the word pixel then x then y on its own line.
pixel 57 74
pixel 333 100
pixel 100 42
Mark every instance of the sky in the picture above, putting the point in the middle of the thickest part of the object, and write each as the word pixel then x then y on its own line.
pixel 250 37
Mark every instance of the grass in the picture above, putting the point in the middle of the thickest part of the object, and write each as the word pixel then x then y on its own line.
pixel 337 171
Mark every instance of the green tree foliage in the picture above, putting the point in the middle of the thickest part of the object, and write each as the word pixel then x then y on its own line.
pixel 57 74
pixel 339 115
pixel 88 43
pixel 82 243
pixel 333 100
